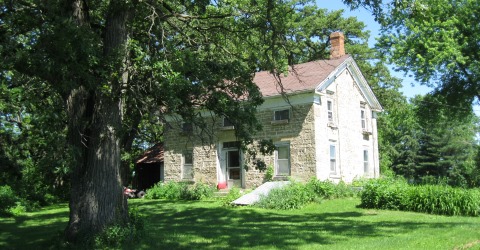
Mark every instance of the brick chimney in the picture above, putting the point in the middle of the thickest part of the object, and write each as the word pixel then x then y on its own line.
pixel 337 48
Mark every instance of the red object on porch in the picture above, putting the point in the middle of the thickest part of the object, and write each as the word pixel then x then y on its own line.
pixel 221 185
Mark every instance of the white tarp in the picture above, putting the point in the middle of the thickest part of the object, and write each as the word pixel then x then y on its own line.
pixel 255 195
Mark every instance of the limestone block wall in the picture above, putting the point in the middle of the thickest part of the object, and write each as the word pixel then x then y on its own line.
pixel 298 132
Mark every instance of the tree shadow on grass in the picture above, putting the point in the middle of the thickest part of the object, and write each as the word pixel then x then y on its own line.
pixel 32 232
pixel 171 227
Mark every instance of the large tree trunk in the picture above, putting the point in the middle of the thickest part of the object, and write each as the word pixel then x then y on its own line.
pixel 95 122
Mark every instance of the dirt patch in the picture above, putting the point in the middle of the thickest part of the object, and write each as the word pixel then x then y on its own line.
pixel 468 245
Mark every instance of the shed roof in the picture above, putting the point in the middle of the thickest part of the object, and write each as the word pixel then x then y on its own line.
pixel 152 155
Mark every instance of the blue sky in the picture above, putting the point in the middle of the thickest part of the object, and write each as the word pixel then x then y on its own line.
pixel 367 18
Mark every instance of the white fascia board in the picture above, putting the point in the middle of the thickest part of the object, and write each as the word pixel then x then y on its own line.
pixel 298 98
pixel 352 67
pixel 364 87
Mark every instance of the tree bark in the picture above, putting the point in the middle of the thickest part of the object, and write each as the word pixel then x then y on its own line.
pixel 95 122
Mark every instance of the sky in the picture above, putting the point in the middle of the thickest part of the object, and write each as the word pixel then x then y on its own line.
pixel 366 17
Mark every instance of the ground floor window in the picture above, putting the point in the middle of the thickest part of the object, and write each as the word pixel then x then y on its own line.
pixel 333 159
pixel 282 159
pixel 365 161
pixel 187 165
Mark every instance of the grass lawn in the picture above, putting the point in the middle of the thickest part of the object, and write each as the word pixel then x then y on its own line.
pixel 334 224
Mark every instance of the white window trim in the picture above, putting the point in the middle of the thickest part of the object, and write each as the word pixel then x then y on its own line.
pixel 366 162
pixel 335 160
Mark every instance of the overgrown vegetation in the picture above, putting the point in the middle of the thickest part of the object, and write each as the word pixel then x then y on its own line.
pixel 233 194
pixel 180 191
pixel 296 195
pixel 118 235
pixel 397 194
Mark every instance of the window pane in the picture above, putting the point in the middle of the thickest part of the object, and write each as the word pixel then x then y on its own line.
pixel 187 127
pixel 282 160
pixel 332 151
pixel 329 105
pixel 188 158
pixel 227 123
pixel 187 171
pixel 233 158
pixel 234 173
pixel 282 115
pixel 333 166
pixel 282 152
pixel 283 168
pixel 365 161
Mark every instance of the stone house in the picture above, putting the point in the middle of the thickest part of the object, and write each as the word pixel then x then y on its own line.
pixel 325 129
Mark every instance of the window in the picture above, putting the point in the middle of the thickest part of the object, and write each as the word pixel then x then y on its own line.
pixel 231 144
pixel 281 115
pixel 187 172
pixel 282 160
pixel 187 127
pixel 365 161
pixel 333 159
pixel 227 123
pixel 330 110
pixel 363 118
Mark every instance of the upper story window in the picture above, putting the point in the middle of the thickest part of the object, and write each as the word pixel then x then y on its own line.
pixel 330 110
pixel 281 115
pixel 227 123
pixel 187 166
pixel 187 127
pixel 363 117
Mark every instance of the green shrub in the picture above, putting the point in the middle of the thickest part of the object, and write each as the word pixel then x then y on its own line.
pixel 293 196
pixel 179 191
pixel 433 199
pixel 329 190
pixel 233 194
pixel 269 173
pixel 118 235
pixel 8 200
pixel 197 191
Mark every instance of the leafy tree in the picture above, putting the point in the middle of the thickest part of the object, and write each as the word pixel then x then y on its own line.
pixel 99 67
pixel 447 141
pixel 110 62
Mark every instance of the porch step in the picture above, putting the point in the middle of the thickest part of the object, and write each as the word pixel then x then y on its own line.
pixel 255 195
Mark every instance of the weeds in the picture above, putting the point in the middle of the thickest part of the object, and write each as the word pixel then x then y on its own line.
pixel 179 191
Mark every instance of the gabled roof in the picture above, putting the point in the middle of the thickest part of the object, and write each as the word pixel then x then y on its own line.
pixel 315 76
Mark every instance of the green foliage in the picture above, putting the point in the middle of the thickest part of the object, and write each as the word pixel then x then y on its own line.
pixel 118 235
pixel 293 196
pixel 233 194
pixel 179 191
pixel 269 173
pixel 296 194
pixel 329 190
pixel 8 200
pixel 434 199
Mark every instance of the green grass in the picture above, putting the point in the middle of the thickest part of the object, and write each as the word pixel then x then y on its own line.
pixel 334 224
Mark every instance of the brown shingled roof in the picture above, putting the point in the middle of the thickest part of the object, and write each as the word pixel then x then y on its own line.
pixel 301 77
pixel 152 155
